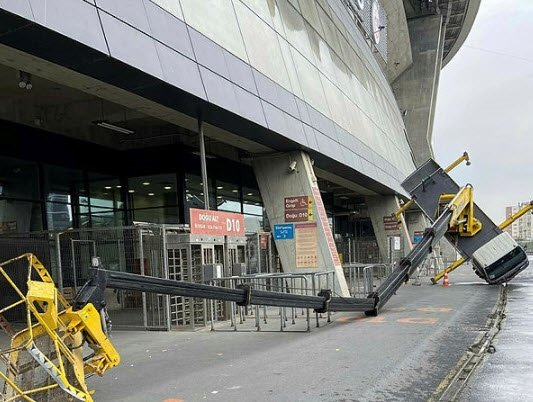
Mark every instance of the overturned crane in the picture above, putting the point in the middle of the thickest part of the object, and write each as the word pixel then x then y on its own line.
pixel 56 331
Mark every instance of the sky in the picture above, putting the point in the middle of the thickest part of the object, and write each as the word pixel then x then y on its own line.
pixel 485 107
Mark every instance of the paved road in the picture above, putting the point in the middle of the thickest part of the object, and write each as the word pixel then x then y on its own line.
pixel 402 355
pixel 507 374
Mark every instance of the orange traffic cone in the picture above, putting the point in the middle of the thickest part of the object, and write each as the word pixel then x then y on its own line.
pixel 446 282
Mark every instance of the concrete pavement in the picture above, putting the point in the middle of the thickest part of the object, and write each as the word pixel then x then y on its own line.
pixel 507 374
pixel 403 354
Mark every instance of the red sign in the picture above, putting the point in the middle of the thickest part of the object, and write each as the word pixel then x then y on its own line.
pixel 263 241
pixel 390 223
pixel 216 223
pixel 298 208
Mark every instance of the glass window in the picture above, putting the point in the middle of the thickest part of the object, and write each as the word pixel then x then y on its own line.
pixel 20 216
pixel 152 191
pixel 108 218
pixel 105 192
pixel 61 182
pixel 19 179
pixel 59 215
pixel 161 215
pixel 252 201
pixel 228 197
pixel 194 194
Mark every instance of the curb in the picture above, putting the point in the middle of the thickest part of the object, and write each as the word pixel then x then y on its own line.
pixel 457 378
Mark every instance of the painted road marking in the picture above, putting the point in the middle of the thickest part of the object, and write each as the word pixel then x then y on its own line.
pixel 434 309
pixel 381 319
pixel 418 320
pixel 377 319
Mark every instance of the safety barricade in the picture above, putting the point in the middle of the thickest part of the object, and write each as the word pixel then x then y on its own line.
pixel 362 279
pixel 264 318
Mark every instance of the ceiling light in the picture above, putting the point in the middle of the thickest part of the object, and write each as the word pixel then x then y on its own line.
pixel 25 80
pixel 109 126
pixel 167 187
pixel 219 196
pixel 118 186
pixel 201 193
pixel 235 191
pixel 207 156
pixel 131 191
pixel 146 183
pixel 108 187
pixel 250 194
pixel 219 187
pixel 150 194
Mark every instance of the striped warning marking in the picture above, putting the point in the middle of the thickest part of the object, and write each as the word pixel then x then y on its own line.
pixel 173 400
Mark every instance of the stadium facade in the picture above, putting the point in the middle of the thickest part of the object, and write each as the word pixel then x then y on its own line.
pixel 100 97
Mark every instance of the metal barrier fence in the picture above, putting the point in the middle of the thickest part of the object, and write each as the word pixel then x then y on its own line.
pixel 138 249
pixel 257 318
pixel 362 279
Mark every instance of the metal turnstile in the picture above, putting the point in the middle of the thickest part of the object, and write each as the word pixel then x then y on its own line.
pixel 235 256
pixel 187 255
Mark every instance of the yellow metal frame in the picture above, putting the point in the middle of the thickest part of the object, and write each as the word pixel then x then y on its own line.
pixel 464 157
pixel 48 314
pixel 462 220
pixel 524 210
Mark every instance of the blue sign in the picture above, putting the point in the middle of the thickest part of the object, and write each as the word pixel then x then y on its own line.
pixel 417 237
pixel 284 232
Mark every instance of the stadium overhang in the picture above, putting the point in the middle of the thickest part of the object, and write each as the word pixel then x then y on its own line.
pixel 458 18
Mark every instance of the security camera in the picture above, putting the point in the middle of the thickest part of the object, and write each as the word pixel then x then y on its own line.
pixel 292 166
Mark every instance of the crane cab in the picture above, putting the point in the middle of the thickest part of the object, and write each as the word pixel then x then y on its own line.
pixel 500 259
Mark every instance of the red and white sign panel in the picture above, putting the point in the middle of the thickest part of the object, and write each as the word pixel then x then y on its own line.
pixel 216 223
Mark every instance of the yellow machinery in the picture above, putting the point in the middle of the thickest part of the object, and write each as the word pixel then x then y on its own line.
pixel 464 157
pixel 45 360
pixel 524 210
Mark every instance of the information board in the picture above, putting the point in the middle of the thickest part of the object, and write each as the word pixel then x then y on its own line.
pixel 216 223
pixel 284 232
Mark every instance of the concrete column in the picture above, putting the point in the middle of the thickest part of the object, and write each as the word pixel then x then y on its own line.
pixel 288 175
pixel 416 88
pixel 380 207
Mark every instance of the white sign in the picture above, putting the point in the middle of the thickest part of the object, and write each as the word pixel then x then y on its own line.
pixel 397 244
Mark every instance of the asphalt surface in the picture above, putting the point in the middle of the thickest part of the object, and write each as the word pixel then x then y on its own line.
pixel 401 355
pixel 507 374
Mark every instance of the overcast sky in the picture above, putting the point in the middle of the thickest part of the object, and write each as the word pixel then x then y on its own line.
pixel 485 107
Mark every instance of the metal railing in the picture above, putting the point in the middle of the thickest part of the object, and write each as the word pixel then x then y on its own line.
pixel 306 283
pixel 362 279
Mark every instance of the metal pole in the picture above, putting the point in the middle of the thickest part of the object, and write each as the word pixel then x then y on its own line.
pixel 166 276
pixel 202 161
pixel 141 266
pixel 59 268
